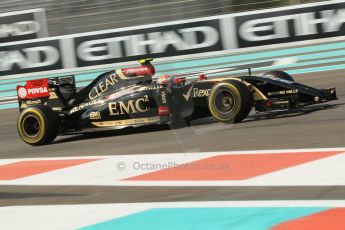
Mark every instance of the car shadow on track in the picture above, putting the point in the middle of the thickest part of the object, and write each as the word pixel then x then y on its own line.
pixel 291 113
pixel 112 132
pixel 197 123
pixel 29 195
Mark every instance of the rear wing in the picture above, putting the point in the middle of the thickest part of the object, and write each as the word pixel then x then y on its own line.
pixel 34 92
pixel 46 91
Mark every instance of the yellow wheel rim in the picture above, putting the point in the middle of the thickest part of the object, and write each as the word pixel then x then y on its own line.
pixel 26 130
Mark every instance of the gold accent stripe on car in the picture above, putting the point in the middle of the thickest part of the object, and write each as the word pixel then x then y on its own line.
pixel 52 95
pixel 120 74
pixel 134 121
pixel 257 94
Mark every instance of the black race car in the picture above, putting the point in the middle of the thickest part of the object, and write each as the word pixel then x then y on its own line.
pixel 130 97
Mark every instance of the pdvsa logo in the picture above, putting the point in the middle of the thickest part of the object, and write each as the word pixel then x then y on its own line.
pixel 38 90
pixel 24 93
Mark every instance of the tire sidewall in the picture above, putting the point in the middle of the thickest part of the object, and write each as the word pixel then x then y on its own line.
pixel 48 125
pixel 32 111
pixel 228 117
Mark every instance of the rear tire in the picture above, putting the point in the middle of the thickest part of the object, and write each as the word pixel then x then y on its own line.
pixel 279 74
pixel 38 125
pixel 230 101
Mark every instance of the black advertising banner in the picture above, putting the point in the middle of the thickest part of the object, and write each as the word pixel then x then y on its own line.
pixel 22 25
pixel 198 36
pixel 30 57
pixel 290 25
pixel 162 41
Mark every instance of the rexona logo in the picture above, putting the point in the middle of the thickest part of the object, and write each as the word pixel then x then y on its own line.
pixel 129 107
pixel 201 92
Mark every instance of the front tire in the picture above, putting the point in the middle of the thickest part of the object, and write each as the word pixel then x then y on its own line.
pixel 230 101
pixel 38 125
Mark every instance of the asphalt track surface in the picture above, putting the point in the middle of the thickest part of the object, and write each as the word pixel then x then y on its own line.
pixel 318 126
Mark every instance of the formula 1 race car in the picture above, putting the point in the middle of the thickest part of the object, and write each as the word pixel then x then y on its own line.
pixel 129 97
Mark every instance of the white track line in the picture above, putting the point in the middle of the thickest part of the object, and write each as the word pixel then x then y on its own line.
pixel 76 216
